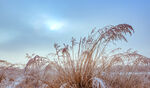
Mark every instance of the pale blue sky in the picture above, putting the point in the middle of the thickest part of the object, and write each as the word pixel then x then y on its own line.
pixel 25 24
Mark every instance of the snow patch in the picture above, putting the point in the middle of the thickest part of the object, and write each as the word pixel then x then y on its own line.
pixel 98 83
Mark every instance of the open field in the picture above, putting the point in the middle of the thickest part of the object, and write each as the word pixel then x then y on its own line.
pixel 16 78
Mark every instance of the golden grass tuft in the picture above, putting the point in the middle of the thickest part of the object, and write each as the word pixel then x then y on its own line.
pixel 87 61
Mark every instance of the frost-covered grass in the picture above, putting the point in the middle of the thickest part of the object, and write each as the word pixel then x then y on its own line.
pixel 87 63
pixel 106 80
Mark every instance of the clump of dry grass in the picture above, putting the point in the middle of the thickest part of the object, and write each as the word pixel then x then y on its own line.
pixel 8 73
pixel 4 66
pixel 123 81
pixel 78 64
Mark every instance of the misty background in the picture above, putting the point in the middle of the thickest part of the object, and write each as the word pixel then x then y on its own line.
pixel 25 24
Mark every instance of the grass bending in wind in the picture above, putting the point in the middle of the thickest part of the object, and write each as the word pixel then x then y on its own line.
pixel 76 65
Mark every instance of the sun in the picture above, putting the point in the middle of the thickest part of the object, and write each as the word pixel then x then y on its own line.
pixel 55 25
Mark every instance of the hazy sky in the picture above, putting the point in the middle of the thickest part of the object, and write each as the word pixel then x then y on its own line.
pixel 28 26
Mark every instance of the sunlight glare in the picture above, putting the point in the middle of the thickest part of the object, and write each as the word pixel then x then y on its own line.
pixel 55 25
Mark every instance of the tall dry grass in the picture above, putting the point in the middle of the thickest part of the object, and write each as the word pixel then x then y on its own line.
pixel 87 63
